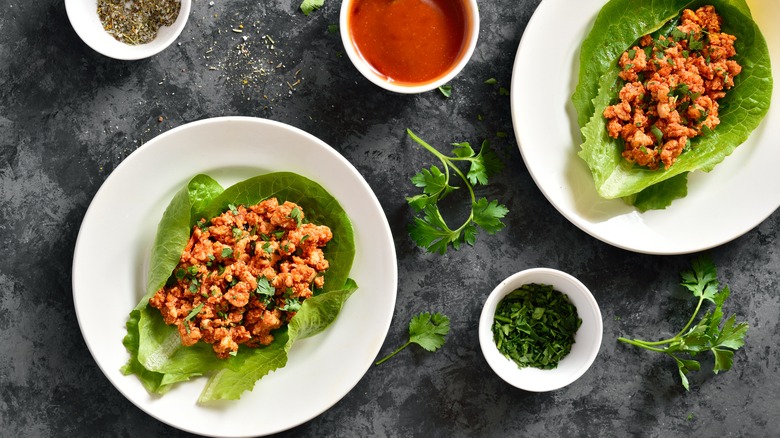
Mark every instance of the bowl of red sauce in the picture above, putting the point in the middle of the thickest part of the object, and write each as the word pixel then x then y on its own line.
pixel 409 46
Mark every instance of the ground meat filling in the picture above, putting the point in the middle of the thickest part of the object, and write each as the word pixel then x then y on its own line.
pixel 672 87
pixel 244 274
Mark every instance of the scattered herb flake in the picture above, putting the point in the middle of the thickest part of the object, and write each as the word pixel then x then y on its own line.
pixel 446 90
pixel 309 6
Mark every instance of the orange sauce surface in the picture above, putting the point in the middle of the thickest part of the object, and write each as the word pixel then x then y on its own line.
pixel 409 41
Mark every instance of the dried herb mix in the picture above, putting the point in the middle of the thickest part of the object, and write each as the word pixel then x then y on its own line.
pixel 535 326
pixel 137 21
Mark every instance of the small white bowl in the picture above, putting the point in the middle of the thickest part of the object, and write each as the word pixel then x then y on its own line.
pixel 472 32
pixel 84 18
pixel 587 340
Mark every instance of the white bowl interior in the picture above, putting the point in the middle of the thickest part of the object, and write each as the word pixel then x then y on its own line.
pixel 472 19
pixel 84 18
pixel 587 340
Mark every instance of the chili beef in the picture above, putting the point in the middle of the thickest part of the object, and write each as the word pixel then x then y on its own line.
pixel 672 87
pixel 244 274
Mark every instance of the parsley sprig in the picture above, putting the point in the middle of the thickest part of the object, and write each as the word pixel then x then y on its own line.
pixel 431 231
pixel 426 330
pixel 707 334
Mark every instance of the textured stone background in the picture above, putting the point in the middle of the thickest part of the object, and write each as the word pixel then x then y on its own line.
pixel 69 116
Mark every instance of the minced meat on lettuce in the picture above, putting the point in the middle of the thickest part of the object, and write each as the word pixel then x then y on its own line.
pixel 618 26
pixel 157 357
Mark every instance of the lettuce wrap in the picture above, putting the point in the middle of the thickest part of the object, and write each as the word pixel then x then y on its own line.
pixel 157 357
pixel 618 26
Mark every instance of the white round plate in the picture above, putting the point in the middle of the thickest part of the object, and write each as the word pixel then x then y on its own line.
pixel 721 205
pixel 112 251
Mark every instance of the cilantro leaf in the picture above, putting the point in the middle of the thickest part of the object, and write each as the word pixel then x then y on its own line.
pixel 463 150
pixel 488 215
pixel 707 334
pixel 702 280
pixel 432 181
pixel 426 330
pixel 309 6
pixel 446 90
pixel 431 231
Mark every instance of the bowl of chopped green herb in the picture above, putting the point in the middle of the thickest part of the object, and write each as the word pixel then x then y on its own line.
pixel 128 29
pixel 540 329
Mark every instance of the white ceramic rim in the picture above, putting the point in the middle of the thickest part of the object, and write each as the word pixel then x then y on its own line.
pixel 587 339
pixel 85 21
pixel 472 10
pixel 133 198
pixel 737 195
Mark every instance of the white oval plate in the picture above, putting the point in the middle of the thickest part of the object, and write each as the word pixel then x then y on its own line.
pixel 112 251
pixel 721 205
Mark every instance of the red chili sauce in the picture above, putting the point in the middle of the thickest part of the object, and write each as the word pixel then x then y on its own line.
pixel 409 41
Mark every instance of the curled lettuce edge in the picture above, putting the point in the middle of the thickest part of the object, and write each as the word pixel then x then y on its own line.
pixel 617 26
pixel 157 357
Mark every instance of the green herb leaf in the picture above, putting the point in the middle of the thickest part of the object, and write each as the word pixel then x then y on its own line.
pixel 446 90
pixel 431 231
pixel 333 28
pixel 264 287
pixel 488 215
pixel 309 6
pixel 194 312
pixel 491 81
pixel 426 330
pixel 707 334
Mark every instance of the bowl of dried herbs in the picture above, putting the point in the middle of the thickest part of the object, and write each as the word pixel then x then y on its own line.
pixel 128 29
pixel 540 329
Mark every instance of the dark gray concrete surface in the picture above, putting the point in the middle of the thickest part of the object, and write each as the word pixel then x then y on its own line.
pixel 69 116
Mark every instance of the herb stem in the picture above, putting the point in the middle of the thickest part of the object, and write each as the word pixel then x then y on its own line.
pixel 447 163
pixel 641 344
pixel 393 353
pixel 677 336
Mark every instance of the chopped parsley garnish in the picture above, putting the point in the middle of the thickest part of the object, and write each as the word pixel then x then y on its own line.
pixel 534 326
pixel 227 252
pixel 264 287
pixel 446 90
pixel 291 305
pixel 295 213
pixel 237 232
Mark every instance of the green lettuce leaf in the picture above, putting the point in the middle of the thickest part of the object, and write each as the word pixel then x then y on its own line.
pixel 619 24
pixel 316 314
pixel 157 357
